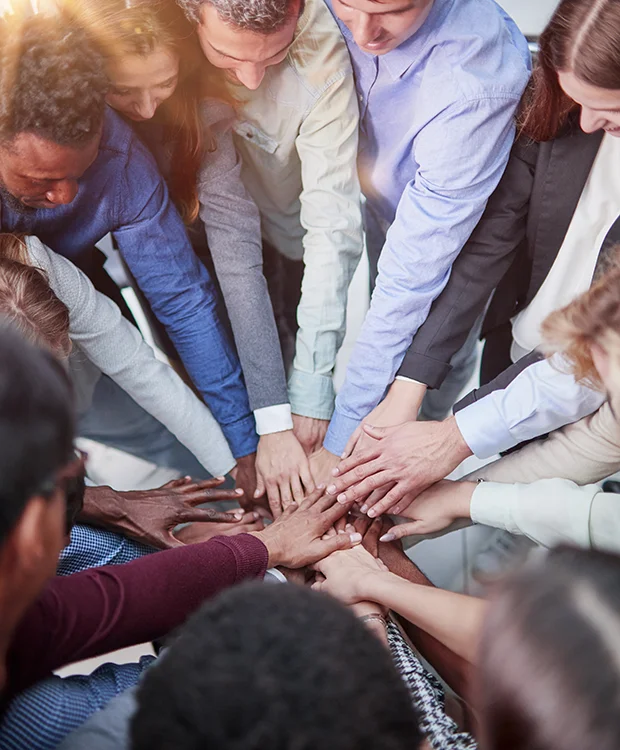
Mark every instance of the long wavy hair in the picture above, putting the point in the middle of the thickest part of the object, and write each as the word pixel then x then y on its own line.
pixel 138 27
pixel 591 318
pixel 583 37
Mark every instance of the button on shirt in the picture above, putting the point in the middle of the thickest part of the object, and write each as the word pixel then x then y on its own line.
pixel 437 125
pixel 122 192
pixel 298 138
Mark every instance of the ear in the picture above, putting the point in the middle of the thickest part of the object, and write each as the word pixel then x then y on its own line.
pixel 26 544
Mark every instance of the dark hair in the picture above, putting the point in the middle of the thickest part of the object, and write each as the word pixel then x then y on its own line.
pixel 274 667
pixel 550 657
pixel 583 37
pixel 258 16
pixel 36 424
pixel 138 27
pixel 52 80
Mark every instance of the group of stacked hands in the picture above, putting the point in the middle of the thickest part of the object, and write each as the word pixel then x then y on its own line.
pixel 225 146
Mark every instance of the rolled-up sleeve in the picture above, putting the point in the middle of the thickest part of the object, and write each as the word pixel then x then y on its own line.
pixel 462 154
pixel 333 242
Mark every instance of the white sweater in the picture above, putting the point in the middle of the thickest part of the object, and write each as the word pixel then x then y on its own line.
pixel 104 342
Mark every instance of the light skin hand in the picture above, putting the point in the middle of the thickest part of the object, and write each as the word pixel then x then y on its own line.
pixel 413 456
pixel 434 509
pixel 401 404
pixel 310 432
pixel 150 516
pixel 322 464
pixel 347 574
pixel 296 538
pixel 283 471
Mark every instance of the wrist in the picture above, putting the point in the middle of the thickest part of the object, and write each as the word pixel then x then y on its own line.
pixel 455 440
pixel 103 506
pixel 407 396
pixel 462 499
pixel 274 550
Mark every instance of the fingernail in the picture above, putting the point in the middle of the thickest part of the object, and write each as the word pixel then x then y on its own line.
pixel 355 538
pixel 331 490
pixel 341 531
pixel 372 513
pixel 320 487
pixel 342 498
pixel 343 455
pixel 240 492
pixel 256 494
pixel 363 509
pixel 335 472
pixel 255 516
pixel 217 479
pixel 389 537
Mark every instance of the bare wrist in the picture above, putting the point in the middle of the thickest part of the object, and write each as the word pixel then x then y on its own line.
pixel 455 439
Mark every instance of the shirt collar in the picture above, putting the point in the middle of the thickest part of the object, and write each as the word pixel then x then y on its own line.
pixel 399 60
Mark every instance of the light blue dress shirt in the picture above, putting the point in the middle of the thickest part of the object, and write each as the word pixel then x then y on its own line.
pixel 437 126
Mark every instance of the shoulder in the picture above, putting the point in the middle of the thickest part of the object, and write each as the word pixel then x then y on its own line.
pixel 217 114
pixel 478 52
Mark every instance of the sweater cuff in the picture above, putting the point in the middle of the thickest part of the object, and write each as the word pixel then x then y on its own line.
pixel 311 395
pixel 250 554
pixel 427 370
pixel 272 419
pixel 490 505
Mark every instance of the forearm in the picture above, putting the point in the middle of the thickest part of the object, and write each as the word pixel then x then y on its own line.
pixel 540 399
pixel 104 609
pixel 452 619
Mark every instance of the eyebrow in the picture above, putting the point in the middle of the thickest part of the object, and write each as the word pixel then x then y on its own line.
pixel 239 59
pixel 409 6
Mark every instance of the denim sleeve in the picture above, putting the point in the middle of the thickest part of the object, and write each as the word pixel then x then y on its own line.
pixel 462 155
pixel 42 716
pixel 154 243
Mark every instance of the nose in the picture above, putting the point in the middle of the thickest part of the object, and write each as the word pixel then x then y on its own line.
pixel 364 29
pixel 146 107
pixel 251 75
pixel 590 120
pixel 63 192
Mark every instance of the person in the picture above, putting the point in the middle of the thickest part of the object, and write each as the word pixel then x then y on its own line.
pixel 297 133
pixel 54 169
pixel 535 624
pixel 535 242
pixel 461 67
pixel 48 620
pixel 554 509
pixel 161 84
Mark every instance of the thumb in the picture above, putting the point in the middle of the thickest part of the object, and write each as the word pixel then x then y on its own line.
pixel 337 542
pixel 375 432
pixel 260 485
pixel 402 530
pixel 352 442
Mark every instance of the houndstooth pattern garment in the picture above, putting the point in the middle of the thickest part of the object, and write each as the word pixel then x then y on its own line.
pixel 428 697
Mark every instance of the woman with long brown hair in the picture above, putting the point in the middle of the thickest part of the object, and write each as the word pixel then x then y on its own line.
pixel 161 82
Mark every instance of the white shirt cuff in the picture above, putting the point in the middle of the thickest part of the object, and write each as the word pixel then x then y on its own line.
pixel 271 419
pixel 483 429
pixel 405 379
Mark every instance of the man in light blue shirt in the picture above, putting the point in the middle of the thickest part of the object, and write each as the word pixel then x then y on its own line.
pixel 438 83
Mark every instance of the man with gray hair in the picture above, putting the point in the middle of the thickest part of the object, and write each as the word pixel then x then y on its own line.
pixel 289 70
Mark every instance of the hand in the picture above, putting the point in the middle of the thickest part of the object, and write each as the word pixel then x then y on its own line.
pixel 434 509
pixel 244 475
pixel 322 464
pixel 295 539
pixel 401 404
pixel 413 456
pixel 149 516
pixel 310 432
pixel 282 468
pixel 201 532
pixel 347 574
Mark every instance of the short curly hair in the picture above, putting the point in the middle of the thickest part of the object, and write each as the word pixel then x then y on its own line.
pixel 52 80
pixel 259 16
pixel 277 667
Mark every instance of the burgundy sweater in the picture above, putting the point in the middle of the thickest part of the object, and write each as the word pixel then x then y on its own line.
pixel 103 609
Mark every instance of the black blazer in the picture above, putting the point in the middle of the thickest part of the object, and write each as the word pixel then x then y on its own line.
pixel 510 252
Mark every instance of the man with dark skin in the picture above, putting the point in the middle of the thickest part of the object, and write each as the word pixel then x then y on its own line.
pixel 71 172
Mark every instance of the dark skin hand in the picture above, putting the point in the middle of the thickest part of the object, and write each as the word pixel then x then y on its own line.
pixel 201 532
pixel 150 516
pixel 244 475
